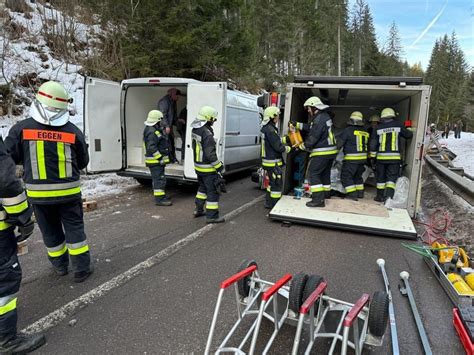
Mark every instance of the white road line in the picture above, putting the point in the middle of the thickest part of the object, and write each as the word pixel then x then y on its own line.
pixel 68 309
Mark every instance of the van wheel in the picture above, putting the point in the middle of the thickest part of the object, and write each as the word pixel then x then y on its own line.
pixel 378 313
pixel 144 182
pixel 243 285
pixel 311 285
pixel 295 298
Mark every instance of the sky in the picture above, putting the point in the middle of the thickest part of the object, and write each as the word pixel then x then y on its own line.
pixel 421 22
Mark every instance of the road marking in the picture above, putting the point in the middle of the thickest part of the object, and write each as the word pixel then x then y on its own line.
pixel 68 309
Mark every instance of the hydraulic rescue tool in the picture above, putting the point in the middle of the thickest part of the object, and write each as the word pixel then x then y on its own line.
pixel 406 291
pixel 391 310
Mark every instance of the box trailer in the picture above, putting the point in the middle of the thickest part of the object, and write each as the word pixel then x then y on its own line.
pixel 369 95
pixel 114 115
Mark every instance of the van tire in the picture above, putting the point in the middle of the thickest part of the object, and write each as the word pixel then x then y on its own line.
pixel 311 285
pixel 295 297
pixel 144 182
pixel 378 313
pixel 243 285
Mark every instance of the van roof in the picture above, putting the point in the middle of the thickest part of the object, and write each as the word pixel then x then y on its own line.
pixel 375 80
pixel 159 80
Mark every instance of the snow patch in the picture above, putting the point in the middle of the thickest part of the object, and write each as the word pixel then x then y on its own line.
pixel 464 149
pixel 96 186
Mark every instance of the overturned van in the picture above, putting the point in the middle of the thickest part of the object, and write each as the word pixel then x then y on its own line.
pixel 114 115
pixel 369 95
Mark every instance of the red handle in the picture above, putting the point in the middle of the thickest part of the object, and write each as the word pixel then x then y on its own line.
pixel 355 310
pixel 313 297
pixel 276 287
pixel 240 275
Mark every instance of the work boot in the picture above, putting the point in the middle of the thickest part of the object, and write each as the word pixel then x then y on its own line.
pixel 61 271
pixel 81 276
pixel 380 196
pixel 327 195
pixel 267 206
pixel 360 193
pixel 352 196
pixel 315 203
pixel 163 202
pixel 21 343
pixel 215 220
pixel 198 213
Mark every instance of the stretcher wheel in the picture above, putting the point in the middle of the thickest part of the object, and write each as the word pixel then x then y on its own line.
pixel 378 313
pixel 243 285
pixel 311 285
pixel 295 298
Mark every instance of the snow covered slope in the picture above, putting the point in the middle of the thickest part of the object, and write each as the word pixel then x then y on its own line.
pixel 464 149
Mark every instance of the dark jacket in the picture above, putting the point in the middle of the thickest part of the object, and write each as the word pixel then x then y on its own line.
pixel 354 141
pixel 321 141
pixel 204 148
pixel 157 147
pixel 385 144
pixel 272 146
pixel 168 108
pixel 14 209
pixel 52 158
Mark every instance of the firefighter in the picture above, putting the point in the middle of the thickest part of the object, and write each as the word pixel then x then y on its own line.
pixel 373 122
pixel 321 144
pixel 354 141
pixel 208 167
pixel 53 151
pixel 273 146
pixel 385 147
pixel 157 150
pixel 14 211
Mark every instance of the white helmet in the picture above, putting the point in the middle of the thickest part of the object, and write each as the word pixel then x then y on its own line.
pixel 51 105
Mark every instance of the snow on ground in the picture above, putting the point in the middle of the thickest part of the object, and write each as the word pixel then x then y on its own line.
pixel 102 185
pixel 463 148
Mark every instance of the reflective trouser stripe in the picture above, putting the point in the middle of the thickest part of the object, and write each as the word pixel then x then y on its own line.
pixel 360 187
pixel 159 192
pixel 14 205
pixel 323 152
pixel 54 193
pixel 201 196
pixel 4 225
pixel 204 170
pixel 380 185
pixel 57 251
pixel 327 187
pixel 270 163
pixel 41 160
pixel 212 205
pixel 390 184
pixel 350 188
pixel 10 305
pixel 78 248
pixel 317 188
pixel 275 194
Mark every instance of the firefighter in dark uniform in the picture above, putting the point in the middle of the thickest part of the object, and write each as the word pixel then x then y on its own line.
pixel 53 151
pixel 14 211
pixel 273 146
pixel 354 141
pixel 208 167
pixel 385 147
pixel 157 148
pixel 321 144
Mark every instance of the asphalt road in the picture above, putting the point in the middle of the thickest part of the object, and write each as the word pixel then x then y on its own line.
pixel 167 308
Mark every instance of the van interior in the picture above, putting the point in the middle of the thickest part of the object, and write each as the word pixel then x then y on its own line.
pixel 342 103
pixel 139 99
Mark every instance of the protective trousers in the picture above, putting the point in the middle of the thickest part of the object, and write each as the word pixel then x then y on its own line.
pixel 320 177
pixel 274 189
pixel 207 195
pixel 10 279
pixel 159 182
pixel 351 179
pixel 386 175
pixel 62 227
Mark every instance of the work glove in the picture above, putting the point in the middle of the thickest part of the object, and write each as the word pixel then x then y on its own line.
pixel 25 231
pixel 301 147
pixel 220 184
pixel 288 149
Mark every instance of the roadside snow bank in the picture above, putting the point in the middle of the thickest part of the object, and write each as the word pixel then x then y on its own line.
pixel 97 186
pixel 464 149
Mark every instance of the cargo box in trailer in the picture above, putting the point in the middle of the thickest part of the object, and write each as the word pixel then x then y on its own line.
pixel 370 95
pixel 114 115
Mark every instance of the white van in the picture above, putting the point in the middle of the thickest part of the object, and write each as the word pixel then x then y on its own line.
pixel 114 115
pixel 369 95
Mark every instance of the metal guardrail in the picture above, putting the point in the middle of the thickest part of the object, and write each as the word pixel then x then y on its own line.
pixel 463 186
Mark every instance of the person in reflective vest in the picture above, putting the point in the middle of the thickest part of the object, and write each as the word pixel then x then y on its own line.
pixel 157 148
pixel 53 151
pixel 321 145
pixel 14 212
pixel 272 148
pixel 207 166
pixel 354 141
pixel 385 147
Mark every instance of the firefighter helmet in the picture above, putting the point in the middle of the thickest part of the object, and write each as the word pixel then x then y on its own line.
pixel 207 113
pixel 374 118
pixel 387 113
pixel 51 104
pixel 315 101
pixel 356 119
pixel 154 116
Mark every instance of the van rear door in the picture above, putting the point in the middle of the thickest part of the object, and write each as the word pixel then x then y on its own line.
pixel 205 94
pixel 102 125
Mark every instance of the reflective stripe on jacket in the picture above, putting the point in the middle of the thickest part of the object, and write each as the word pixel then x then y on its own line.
pixel 204 149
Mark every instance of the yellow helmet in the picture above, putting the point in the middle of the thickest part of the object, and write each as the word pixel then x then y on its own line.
pixel 154 116
pixel 207 113
pixel 315 101
pixel 387 113
pixel 356 119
